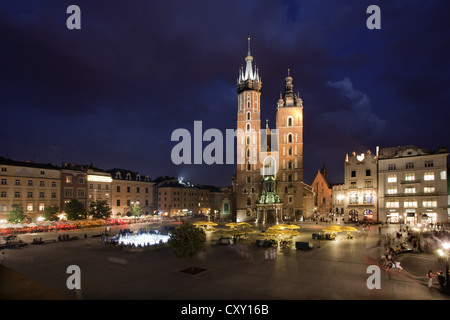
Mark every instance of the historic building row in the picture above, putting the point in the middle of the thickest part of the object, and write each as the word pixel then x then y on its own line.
pixel 37 186
pixel 403 184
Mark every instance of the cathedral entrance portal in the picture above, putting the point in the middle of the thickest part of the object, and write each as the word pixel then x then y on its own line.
pixel 271 217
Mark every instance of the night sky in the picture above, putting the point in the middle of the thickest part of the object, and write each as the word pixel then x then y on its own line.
pixel 112 93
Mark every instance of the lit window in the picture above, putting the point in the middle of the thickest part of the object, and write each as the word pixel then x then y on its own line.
pixel 410 177
pixel 392 204
pixel 429 203
pixel 30 207
pixel 41 207
pixel 410 203
pixel 392 190
pixel 444 175
pixel 353 199
pixel 428 189
pixel 410 190
pixel 428 176
pixel 392 178
pixel 68 179
pixel 368 198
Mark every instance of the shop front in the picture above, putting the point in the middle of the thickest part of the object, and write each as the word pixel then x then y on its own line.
pixel 429 218
pixel 410 216
pixel 393 217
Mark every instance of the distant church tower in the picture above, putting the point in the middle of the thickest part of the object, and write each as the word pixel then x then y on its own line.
pixel 263 193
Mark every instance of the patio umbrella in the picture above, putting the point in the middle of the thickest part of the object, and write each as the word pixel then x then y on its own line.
pixel 331 229
pixel 247 230
pixel 279 226
pixel 221 232
pixel 290 233
pixel 270 233
pixel 348 228
pixel 243 225
pixel 201 223
pixel 232 224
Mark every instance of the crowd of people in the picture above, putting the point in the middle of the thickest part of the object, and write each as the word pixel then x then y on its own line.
pixel 389 260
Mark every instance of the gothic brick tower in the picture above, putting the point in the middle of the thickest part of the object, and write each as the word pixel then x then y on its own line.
pixel 262 192
pixel 248 140
pixel 290 145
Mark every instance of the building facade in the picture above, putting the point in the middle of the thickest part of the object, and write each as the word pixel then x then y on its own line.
pixel 357 198
pixel 99 186
pixel 73 185
pixel 361 187
pixel 179 198
pixel 413 185
pixel 322 194
pixel 33 186
pixel 269 177
pixel 129 188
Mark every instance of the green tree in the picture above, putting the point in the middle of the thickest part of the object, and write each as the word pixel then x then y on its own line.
pixel 75 210
pixel 51 213
pixel 136 210
pixel 99 209
pixel 16 214
pixel 187 241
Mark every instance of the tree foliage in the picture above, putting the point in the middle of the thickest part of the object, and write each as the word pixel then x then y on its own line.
pixel 136 210
pixel 99 209
pixel 75 210
pixel 187 241
pixel 16 214
pixel 51 213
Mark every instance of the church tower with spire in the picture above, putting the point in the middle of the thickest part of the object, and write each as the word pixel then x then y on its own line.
pixel 247 137
pixel 264 194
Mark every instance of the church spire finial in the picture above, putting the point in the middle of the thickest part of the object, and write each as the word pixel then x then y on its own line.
pixel 248 39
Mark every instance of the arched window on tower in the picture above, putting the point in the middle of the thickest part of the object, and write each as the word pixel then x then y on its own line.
pixel 290 138
pixel 248 115
pixel 248 153
pixel 248 127
pixel 290 151
pixel 247 140
pixel 289 177
pixel 290 122
pixel 249 201
pixel 249 166
pixel 290 165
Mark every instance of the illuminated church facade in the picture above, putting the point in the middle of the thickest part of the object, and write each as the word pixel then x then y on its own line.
pixel 269 175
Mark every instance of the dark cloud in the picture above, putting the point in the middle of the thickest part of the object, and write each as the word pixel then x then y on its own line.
pixel 113 92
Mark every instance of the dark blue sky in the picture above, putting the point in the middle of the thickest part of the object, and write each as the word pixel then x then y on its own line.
pixel 112 93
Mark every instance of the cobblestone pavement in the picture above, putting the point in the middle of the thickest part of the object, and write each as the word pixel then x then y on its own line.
pixel 336 270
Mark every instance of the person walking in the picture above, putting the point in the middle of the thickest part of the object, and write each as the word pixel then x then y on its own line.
pixel 430 278
pixel 441 279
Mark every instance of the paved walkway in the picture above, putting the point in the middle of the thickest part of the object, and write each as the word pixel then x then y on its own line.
pixel 337 270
